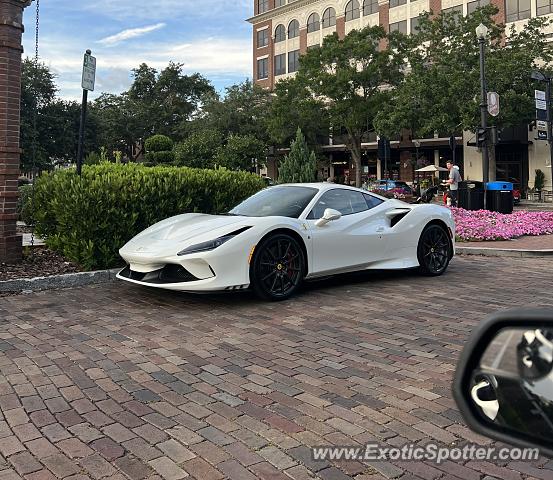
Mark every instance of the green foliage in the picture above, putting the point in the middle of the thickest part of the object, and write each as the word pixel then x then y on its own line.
pixel 89 218
pixel 57 121
pixel 345 78
pixel 158 143
pixel 24 204
pixel 441 94
pixel 241 152
pixel 93 158
pixel 198 150
pixel 539 181
pixel 300 165
pixel 159 150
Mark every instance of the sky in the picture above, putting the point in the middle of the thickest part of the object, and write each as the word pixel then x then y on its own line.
pixel 207 36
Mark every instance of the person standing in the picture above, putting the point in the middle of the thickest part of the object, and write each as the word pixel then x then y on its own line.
pixel 453 182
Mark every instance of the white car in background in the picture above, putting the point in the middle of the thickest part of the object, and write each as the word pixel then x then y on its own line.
pixel 286 234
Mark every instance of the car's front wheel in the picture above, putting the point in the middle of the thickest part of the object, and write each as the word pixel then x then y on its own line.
pixel 278 267
pixel 434 250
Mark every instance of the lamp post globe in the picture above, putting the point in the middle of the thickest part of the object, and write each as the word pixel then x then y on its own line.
pixel 481 31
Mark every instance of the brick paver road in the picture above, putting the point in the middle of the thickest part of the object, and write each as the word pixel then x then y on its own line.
pixel 121 382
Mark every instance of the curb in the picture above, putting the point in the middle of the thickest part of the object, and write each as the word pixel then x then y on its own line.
pixel 69 280
pixel 502 252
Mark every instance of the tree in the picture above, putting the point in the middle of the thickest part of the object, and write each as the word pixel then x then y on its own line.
pixel 241 152
pixel 441 93
pixel 53 138
pixel 294 107
pixel 199 149
pixel 300 165
pixel 346 78
pixel 156 103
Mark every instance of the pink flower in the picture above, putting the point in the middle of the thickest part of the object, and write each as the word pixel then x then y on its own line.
pixel 483 225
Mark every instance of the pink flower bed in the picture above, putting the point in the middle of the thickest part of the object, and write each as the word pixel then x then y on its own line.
pixel 482 225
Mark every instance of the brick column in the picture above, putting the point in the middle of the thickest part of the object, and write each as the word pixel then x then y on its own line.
pixel 11 29
pixel 384 20
pixel 303 41
pixel 341 27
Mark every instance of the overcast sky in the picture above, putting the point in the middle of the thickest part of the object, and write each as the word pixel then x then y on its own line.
pixel 207 36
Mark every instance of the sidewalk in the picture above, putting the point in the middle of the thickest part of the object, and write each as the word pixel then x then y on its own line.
pixel 539 246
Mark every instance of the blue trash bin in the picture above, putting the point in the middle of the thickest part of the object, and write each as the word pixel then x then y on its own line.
pixel 499 197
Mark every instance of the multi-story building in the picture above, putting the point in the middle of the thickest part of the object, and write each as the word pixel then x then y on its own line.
pixel 285 29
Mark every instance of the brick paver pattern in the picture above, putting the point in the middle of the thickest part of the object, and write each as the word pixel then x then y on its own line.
pixel 117 382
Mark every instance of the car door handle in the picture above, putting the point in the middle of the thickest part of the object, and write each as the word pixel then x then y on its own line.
pixel 380 229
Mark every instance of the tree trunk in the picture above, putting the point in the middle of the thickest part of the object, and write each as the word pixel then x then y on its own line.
pixel 355 149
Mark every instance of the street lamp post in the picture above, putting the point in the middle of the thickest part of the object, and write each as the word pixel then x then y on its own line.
pixel 481 33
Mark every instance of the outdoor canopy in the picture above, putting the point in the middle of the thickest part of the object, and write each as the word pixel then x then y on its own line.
pixel 432 168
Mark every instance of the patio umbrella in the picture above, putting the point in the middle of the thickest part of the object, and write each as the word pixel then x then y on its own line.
pixel 432 168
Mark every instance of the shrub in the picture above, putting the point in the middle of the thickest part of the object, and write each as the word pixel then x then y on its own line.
pixel 89 218
pixel 24 204
pixel 158 143
pixel 159 150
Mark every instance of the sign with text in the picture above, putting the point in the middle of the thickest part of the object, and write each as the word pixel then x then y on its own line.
pixel 539 94
pixel 89 72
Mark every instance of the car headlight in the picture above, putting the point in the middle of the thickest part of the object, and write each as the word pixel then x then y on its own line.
pixel 211 244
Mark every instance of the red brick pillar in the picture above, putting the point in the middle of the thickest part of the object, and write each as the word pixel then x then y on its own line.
pixel 303 41
pixel 11 29
pixel 341 27
pixel 384 21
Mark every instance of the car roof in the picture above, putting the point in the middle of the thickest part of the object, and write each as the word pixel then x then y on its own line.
pixel 325 186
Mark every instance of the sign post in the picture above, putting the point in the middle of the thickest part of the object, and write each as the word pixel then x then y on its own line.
pixel 88 82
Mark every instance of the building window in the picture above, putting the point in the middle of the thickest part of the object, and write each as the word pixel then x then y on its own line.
pixel 280 3
pixel 457 11
pixel 313 23
pixel 517 10
pixel 262 68
pixel 399 27
pixel 294 29
pixel 262 38
pixel 370 7
pixel 397 3
pixel 280 34
pixel 473 6
pixel 311 47
pixel 262 6
pixel 280 64
pixel 352 10
pixel 293 61
pixel 329 18
pixel 544 7
pixel 415 25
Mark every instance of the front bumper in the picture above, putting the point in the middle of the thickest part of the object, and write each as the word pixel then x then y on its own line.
pixel 225 268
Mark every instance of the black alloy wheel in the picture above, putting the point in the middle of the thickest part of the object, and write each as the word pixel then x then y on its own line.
pixel 278 267
pixel 434 251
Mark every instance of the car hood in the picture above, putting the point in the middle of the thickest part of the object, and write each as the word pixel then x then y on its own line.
pixel 184 230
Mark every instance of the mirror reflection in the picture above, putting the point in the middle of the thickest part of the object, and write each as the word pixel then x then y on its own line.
pixel 512 387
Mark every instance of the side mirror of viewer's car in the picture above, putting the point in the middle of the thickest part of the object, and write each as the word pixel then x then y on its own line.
pixel 504 380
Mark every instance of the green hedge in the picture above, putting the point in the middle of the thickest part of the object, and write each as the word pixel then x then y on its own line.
pixel 89 218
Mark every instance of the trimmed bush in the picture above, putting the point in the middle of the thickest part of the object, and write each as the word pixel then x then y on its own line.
pixel 89 218
pixel 158 143
pixel 159 150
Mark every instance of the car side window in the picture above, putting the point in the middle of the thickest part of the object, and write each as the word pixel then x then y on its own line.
pixel 347 202
pixel 372 201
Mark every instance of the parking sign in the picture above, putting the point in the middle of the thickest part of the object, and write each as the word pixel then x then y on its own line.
pixel 89 72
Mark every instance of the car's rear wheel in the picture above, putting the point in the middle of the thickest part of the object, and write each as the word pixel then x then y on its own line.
pixel 278 267
pixel 434 250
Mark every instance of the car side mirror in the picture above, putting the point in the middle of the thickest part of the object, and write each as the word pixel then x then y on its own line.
pixel 503 384
pixel 330 215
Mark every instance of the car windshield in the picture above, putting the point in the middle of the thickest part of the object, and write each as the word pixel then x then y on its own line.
pixel 281 201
